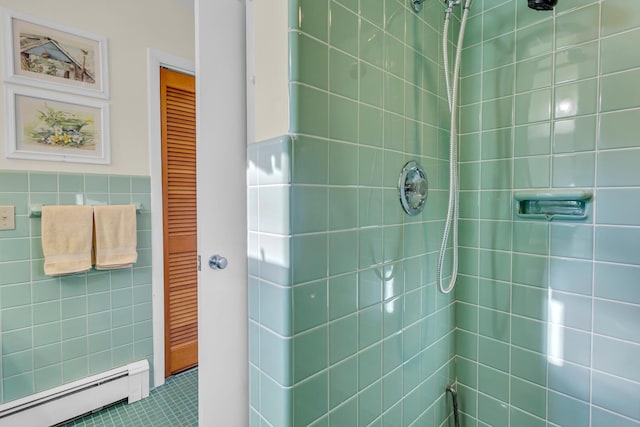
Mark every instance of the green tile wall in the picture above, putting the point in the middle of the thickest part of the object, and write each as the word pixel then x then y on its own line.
pixel 55 330
pixel 547 314
pixel 346 326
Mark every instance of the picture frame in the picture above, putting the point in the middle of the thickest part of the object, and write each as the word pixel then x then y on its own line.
pixel 46 125
pixel 54 57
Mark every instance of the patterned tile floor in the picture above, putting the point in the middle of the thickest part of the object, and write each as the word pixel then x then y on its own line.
pixel 173 404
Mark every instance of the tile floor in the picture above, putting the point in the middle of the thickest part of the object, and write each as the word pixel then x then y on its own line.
pixel 173 404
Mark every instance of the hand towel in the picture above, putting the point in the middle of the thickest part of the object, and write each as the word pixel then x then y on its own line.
pixel 115 236
pixel 66 239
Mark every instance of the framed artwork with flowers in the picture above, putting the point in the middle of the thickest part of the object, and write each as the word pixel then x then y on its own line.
pixel 45 125
pixel 50 56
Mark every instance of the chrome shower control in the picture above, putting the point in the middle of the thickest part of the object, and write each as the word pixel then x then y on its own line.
pixel 413 188
pixel 217 262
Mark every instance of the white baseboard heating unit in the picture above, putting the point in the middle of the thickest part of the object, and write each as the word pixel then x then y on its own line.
pixel 68 401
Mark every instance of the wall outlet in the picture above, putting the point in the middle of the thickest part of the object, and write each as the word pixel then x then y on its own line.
pixel 7 218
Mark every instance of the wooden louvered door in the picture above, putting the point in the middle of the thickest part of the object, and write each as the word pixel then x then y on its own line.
pixel 178 107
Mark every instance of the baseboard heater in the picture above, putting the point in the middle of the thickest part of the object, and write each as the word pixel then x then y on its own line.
pixel 68 401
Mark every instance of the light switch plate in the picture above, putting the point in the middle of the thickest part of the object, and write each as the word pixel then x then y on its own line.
pixel 7 218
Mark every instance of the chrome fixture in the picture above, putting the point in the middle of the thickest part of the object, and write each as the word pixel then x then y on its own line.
pixel 413 188
pixel 542 4
pixel 417 5
pixel 217 262
pixel 451 222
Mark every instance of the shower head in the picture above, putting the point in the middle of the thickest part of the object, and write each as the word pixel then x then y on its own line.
pixel 542 4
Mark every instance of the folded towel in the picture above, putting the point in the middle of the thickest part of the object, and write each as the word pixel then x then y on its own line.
pixel 115 236
pixel 66 239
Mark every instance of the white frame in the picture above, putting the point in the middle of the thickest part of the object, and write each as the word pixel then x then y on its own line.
pixel 102 156
pixel 101 87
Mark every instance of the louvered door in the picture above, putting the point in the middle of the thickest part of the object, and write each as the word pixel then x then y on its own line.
pixel 179 219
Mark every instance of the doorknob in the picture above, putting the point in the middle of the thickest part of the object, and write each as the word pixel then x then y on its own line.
pixel 218 262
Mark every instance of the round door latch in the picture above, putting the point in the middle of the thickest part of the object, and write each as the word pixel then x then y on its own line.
pixel 413 188
pixel 217 262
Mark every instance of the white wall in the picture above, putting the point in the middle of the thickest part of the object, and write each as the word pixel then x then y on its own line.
pixel 270 68
pixel 131 27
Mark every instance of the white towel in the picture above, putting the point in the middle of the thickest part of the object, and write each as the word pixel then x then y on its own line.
pixel 115 236
pixel 66 239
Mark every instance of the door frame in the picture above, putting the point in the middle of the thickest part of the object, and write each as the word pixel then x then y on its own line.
pixel 155 60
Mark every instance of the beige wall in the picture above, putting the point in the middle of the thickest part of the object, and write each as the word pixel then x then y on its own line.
pixel 131 27
pixel 270 56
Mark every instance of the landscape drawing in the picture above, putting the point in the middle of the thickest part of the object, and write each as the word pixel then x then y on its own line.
pixel 52 55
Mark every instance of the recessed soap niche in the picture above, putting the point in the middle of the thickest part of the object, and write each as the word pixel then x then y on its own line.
pixel 553 204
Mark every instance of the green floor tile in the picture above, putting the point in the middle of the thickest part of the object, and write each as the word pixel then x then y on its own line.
pixel 173 404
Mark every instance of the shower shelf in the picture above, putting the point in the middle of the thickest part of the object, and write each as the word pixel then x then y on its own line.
pixel 553 204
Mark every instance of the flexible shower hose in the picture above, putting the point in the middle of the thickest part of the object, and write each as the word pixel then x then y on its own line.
pixel 454 402
pixel 452 96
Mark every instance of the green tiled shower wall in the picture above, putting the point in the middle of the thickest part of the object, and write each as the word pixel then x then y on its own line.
pixel 346 325
pixel 55 330
pixel 548 313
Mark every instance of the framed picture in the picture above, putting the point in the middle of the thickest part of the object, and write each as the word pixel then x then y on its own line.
pixel 54 57
pixel 44 125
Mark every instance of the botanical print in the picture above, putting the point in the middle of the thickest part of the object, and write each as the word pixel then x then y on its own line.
pixel 60 127
pixel 45 125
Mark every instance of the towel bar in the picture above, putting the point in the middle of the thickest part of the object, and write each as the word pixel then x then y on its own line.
pixel 35 210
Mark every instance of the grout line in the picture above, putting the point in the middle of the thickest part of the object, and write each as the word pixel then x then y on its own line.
pixel 595 213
